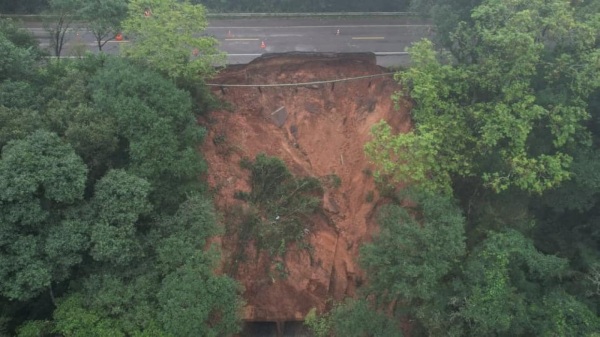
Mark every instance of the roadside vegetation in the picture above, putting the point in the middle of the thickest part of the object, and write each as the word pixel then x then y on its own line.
pixel 104 222
pixel 498 233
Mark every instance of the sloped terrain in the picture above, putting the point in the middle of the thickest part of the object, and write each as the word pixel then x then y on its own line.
pixel 318 130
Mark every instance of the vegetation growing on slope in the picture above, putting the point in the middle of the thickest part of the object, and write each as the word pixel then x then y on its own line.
pixel 508 109
pixel 103 219
pixel 500 235
pixel 280 206
pixel 175 27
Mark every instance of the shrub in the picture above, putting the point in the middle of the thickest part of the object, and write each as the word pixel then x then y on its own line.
pixel 280 205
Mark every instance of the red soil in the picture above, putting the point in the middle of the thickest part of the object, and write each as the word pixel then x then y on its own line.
pixel 324 133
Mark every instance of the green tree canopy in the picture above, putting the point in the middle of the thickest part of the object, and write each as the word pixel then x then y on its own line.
pixel 15 62
pixel 419 269
pixel 102 206
pixel 103 18
pixel 167 35
pixel 410 256
pixel 39 177
pixel 193 302
pixel 357 318
pixel 506 109
pixel 155 126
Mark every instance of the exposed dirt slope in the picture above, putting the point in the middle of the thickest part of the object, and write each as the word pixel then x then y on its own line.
pixel 320 131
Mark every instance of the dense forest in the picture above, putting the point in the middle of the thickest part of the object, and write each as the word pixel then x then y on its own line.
pixel 499 232
pixel 103 218
pixel 105 221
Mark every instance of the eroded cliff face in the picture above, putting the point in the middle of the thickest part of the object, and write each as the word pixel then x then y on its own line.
pixel 318 130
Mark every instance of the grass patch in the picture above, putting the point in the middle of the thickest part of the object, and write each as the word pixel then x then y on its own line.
pixel 370 196
pixel 332 181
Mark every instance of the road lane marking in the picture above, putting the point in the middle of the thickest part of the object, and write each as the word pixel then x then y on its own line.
pixel 368 38
pixel 242 39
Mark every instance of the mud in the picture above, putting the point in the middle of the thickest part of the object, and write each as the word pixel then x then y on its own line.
pixel 319 130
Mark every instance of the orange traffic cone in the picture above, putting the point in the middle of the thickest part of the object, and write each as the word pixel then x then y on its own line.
pixel 119 37
pixel 263 45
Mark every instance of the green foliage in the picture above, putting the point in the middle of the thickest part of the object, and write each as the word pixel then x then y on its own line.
pixel 59 20
pixel 508 108
pixel 72 319
pixel 446 15
pixel 128 300
pixel 319 325
pixel 410 257
pixel 564 315
pixel 370 196
pixel 35 329
pixel 20 37
pixel 17 94
pixel 186 233
pixel 135 221
pixel 119 200
pixel 281 205
pixel 103 18
pixel 156 130
pixel 419 268
pixel 504 277
pixel 17 123
pixel 40 166
pixel 193 302
pixel 581 192
pixel 175 26
pixel 356 318
pixel 332 181
pixel 39 176
pixel 15 62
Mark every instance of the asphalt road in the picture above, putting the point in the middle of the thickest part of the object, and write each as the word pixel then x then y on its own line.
pixel 242 39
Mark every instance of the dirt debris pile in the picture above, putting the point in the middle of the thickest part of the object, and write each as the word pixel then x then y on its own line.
pixel 319 130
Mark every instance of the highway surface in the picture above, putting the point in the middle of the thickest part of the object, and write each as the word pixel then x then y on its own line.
pixel 246 39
